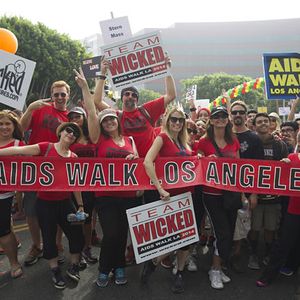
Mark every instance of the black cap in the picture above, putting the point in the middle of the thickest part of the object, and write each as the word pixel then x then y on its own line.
pixel 131 89
pixel 219 109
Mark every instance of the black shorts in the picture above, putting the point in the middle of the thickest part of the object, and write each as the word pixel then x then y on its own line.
pixel 5 216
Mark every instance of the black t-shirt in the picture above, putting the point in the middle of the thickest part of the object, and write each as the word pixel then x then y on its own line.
pixel 251 146
pixel 273 150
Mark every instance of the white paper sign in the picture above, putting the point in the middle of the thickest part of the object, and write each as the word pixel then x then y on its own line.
pixel 163 226
pixel 284 111
pixel 15 77
pixel 191 93
pixel 115 30
pixel 203 103
pixel 136 61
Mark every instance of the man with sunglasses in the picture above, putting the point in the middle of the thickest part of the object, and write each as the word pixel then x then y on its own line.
pixel 137 121
pixel 251 147
pixel 42 118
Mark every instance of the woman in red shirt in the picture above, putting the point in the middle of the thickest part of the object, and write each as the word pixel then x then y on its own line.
pixel 10 135
pixel 219 134
pixel 53 207
pixel 111 206
pixel 171 142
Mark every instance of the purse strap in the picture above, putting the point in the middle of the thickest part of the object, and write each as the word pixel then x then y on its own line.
pixel 217 148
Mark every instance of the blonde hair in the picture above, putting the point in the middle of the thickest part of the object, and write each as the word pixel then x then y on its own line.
pixel 182 135
pixel 60 83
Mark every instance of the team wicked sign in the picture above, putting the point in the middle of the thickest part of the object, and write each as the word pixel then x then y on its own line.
pixel 77 174
pixel 136 60
pixel 160 227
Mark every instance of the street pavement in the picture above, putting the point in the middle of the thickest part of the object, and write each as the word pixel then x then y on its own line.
pixel 36 282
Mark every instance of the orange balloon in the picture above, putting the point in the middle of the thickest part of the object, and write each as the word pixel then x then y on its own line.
pixel 8 41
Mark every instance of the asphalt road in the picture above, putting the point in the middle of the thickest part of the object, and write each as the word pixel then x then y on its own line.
pixel 36 283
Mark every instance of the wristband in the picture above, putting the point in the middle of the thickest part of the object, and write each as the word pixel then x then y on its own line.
pixel 80 205
pixel 103 77
pixel 193 109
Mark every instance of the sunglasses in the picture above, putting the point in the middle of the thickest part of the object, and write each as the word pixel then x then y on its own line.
pixel 132 94
pixel 190 130
pixel 219 116
pixel 175 120
pixel 70 130
pixel 240 112
pixel 56 95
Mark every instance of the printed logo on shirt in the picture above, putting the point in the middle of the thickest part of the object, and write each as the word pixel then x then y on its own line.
pixel 244 146
pixel 50 122
pixel 114 152
pixel 138 124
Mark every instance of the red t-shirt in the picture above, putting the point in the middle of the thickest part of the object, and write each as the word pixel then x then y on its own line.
pixel 52 196
pixel 44 122
pixel 294 203
pixel 11 144
pixel 230 150
pixel 106 147
pixel 83 150
pixel 135 124
pixel 170 149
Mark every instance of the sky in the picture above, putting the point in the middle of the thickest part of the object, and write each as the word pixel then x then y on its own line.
pixel 80 21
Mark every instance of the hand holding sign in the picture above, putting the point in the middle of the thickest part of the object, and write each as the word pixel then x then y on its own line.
pixel 8 41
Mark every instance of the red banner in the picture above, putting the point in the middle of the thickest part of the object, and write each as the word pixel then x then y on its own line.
pixel 90 174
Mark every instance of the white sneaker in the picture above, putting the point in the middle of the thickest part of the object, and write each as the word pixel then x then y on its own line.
pixel 224 277
pixel 215 279
pixel 191 265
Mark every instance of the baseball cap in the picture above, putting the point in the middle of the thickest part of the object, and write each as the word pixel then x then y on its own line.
pixel 219 109
pixel 77 110
pixel 108 112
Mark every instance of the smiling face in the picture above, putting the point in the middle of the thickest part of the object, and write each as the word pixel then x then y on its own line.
pixel 7 128
pixel 176 122
pixel 110 124
pixel 76 118
pixel 219 120
pixel 238 115
pixel 60 97
pixel 262 125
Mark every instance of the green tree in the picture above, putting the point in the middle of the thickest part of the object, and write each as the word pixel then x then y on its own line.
pixel 210 87
pixel 55 54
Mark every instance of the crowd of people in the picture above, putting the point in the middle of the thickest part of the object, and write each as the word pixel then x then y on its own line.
pixel 157 128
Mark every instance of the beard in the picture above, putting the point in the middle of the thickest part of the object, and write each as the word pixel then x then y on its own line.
pixel 238 121
pixel 130 104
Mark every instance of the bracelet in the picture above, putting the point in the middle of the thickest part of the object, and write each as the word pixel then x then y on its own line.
pixel 103 77
pixel 80 205
pixel 193 109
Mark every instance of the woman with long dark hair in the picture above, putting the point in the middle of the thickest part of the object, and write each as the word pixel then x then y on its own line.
pixel 10 135
pixel 54 207
pixel 105 129
pixel 219 140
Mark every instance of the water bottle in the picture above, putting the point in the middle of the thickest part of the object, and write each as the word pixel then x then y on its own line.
pixel 245 205
pixel 78 217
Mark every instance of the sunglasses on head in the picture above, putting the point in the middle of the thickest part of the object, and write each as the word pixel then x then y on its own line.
pixel 59 94
pixel 240 112
pixel 175 120
pixel 70 130
pixel 219 116
pixel 132 94
pixel 190 130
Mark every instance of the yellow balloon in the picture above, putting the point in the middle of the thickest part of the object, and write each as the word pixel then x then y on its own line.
pixel 8 41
